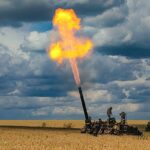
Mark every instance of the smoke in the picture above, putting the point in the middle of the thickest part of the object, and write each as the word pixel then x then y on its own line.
pixel 75 71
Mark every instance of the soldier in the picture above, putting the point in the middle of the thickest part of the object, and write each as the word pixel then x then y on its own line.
pixel 123 118
pixel 89 123
pixel 109 114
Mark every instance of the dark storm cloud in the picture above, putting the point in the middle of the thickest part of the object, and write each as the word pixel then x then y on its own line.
pixel 16 10
pixel 36 76
pixel 97 6
pixel 38 86
pixel 110 69
pixel 53 87
pixel 141 94
pixel 10 23
pixel 131 51
pixel 109 18
pixel 12 12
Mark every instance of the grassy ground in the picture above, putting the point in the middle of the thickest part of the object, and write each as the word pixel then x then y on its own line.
pixel 57 123
pixel 54 139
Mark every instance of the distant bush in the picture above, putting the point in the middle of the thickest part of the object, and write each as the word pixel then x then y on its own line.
pixel 147 127
pixel 68 125
pixel 43 124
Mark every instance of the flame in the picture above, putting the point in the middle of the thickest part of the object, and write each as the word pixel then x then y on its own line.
pixel 69 46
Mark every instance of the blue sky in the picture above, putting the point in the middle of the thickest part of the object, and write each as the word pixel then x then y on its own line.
pixel 116 74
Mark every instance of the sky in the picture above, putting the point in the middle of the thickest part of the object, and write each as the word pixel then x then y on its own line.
pixel 117 72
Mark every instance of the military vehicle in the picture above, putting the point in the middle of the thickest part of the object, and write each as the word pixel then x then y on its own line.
pixel 105 127
pixel 111 127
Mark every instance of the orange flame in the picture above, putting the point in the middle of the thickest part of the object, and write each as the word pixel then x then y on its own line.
pixel 69 46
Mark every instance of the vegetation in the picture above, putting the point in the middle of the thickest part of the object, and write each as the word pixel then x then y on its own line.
pixel 43 124
pixel 147 127
pixel 54 139
pixel 68 125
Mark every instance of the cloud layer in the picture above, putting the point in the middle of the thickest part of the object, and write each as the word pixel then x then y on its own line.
pixel 13 12
pixel 117 73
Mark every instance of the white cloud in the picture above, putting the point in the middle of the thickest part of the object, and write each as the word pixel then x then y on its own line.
pixel 93 95
pixel 120 59
pixel 15 92
pixel 41 111
pixel 12 37
pixel 108 18
pixel 69 110
pixel 126 92
pixel 100 110
pixel 110 36
pixel 133 83
pixel 37 41
pixel 132 28
pixel 129 107
pixel 146 21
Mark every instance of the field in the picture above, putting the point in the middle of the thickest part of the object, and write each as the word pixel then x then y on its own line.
pixel 64 135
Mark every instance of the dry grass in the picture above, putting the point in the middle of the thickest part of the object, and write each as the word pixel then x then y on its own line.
pixel 33 139
pixel 57 123
pixel 38 123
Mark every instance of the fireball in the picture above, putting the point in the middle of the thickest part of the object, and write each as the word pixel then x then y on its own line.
pixel 69 46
